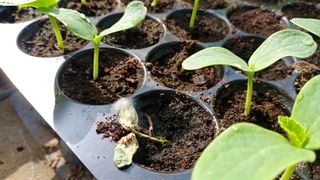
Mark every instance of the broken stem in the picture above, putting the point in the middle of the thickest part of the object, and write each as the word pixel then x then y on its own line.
pixel 150 138
pixel 150 124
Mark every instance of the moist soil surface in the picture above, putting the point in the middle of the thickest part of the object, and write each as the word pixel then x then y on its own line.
pixel 305 71
pixel 166 69
pixel 256 21
pixel 207 28
pixel 265 108
pixel 244 48
pixel 92 8
pixel 263 2
pixel 173 118
pixel 43 43
pixel 119 76
pixel 162 6
pixel 208 4
pixel 13 15
pixel 148 33
pixel 302 10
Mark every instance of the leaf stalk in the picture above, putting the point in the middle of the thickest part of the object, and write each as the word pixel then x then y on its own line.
pixel 288 173
pixel 57 32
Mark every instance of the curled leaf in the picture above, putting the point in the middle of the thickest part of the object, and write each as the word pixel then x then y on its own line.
pixel 127 116
pixel 125 149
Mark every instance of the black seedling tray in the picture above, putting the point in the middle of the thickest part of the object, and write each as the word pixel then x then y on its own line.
pixel 38 80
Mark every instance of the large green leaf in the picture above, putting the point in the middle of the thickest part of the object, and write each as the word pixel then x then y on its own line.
pixel 297 134
pixel 306 111
pixel 281 44
pixel 134 14
pixel 214 56
pixel 309 24
pixel 247 151
pixel 76 22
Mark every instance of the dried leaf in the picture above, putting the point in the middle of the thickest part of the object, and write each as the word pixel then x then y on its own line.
pixel 125 149
pixel 127 116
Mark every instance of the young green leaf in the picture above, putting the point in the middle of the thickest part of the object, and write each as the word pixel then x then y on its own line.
pixel 309 24
pixel 306 111
pixel 281 44
pixel 297 134
pixel 214 56
pixel 134 14
pixel 247 151
pixel 126 147
pixel 76 22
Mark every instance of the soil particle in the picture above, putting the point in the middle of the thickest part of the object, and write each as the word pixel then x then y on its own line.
pixel 209 4
pixel 92 8
pixel 43 43
pixel 119 76
pixel 166 69
pixel 173 118
pixel 162 6
pixel 207 28
pixel 148 33
pixel 20 148
pixel 305 72
pixel 256 21
pixel 263 2
pixel 301 10
pixel 244 47
pixel 14 15
pixel 315 167
pixel 265 108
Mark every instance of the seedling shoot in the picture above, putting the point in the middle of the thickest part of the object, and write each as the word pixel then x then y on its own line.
pixel 154 3
pixel 281 44
pixel 194 14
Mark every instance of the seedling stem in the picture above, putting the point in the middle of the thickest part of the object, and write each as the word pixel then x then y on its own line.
pixel 154 3
pixel 194 14
pixel 96 45
pixel 249 93
pixel 84 2
pixel 150 138
pixel 289 171
pixel 57 32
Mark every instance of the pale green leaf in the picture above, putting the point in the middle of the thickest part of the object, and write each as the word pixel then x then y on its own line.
pixel 125 148
pixel 309 24
pixel 281 44
pixel 214 56
pixel 127 116
pixel 306 111
pixel 247 151
pixel 40 4
pixel 134 14
pixel 76 22
pixel 297 134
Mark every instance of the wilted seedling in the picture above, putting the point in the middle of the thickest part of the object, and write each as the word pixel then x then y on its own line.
pixel 247 151
pixel 194 14
pixel 128 145
pixel 281 44
pixel 309 24
pixel 42 6
pixel 83 28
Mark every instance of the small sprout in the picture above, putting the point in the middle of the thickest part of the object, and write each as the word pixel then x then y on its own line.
pixel 281 44
pixel 248 151
pixel 194 14
pixel 154 3
pixel 83 28
pixel 128 145
pixel 42 6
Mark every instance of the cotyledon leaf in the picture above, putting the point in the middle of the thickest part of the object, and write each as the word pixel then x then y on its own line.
pixel 134 14
pixel 309 24
pixel 247 151
pixel 76 22
pixel 306 111
pixel 31 3
pixel 214 56
pixel 14 2
pixel 125 148
pixel 288 42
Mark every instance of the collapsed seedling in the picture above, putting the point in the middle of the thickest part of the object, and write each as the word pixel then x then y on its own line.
pixel 248 151
pixel 128 145
pixel 281 44
pixel 134 14
pixel 194 14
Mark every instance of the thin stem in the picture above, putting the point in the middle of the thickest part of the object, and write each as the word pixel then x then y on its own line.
pixel 84 2
pixel 149 137
pixel 249 93
pixel 288 173
pixel 57 32
pixel 154 3
pixel 96 45
pixel 194 14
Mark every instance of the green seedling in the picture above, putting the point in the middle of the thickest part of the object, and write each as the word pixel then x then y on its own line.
pixel 247 151
pixel 309 24
pixel 281 44
pixel 84 2
pixel 83 28
pixel 154 3
pixel 194 14
pixel 128 145
pixel 40 5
